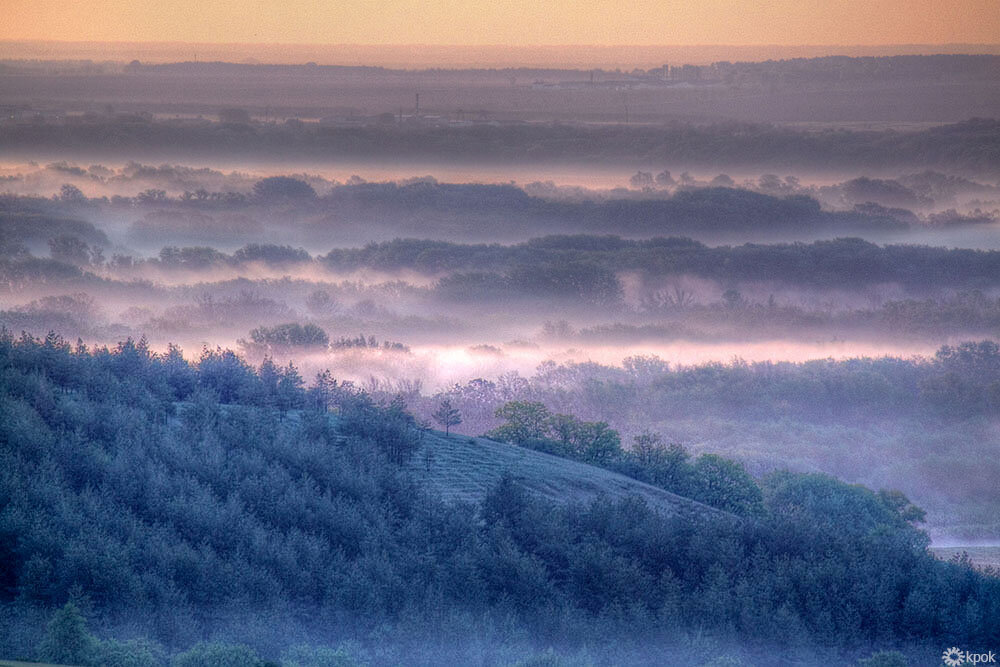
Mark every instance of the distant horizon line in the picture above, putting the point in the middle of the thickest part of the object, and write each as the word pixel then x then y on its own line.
pixel 461 56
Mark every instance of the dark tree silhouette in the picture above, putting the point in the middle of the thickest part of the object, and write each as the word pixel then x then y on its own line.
pixel 447 416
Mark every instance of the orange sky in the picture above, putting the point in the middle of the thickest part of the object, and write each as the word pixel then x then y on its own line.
pixel 513 22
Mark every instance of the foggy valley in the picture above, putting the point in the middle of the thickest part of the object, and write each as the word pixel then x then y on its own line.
pixel 712 346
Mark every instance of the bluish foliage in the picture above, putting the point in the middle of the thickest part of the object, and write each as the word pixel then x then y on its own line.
pixel 165 511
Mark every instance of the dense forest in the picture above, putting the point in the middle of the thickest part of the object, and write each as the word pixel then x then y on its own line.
pixel 173 503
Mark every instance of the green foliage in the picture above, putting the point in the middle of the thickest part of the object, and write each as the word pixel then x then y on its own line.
pixel 595 442
pixel 725 484
pixel 525 420
pixel 67 640
pixel 217 654
pixel 391 428
pixel 711 479
pixel 530 423
pixel 226 374
pixel 833 505
pixel 901 504
pixel 666 466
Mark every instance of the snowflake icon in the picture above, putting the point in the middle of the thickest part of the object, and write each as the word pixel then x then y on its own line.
pixel 953 657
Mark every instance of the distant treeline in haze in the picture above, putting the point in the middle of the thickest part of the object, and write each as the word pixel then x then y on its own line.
pixel 971 145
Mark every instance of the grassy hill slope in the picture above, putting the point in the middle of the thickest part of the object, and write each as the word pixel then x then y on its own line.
pixel 459 468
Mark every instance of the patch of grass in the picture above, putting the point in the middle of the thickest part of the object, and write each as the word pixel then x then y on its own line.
pixel 465 469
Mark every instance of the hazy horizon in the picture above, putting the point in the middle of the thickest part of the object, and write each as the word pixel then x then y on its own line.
pixel 455 56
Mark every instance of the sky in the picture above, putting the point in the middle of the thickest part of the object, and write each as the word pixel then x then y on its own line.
pixel 506 22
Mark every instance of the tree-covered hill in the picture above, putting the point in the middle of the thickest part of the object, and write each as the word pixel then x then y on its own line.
pixel 176 503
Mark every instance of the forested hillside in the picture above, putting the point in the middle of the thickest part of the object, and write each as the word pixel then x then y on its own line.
pixel 173 503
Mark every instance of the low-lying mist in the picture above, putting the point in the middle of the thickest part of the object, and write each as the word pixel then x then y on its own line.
pixel 711 316
pixel 142 208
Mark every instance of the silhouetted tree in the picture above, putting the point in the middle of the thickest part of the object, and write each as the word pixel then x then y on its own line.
pixel 447 416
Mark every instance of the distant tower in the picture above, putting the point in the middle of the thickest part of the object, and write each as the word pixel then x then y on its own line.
pixel 416 106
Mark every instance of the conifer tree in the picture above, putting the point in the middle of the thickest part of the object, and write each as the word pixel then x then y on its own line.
pixel 447 416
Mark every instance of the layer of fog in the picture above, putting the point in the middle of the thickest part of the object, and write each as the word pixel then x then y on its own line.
pixel 926 192
pixel 384 337
pixel 145 207
pixel 440 343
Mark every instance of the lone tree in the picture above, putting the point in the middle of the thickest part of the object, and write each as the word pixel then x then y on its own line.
pixel 447 416
pixel 67 639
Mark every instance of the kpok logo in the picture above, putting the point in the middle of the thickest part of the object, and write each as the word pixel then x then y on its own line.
pixel 954 656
